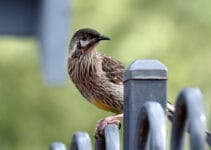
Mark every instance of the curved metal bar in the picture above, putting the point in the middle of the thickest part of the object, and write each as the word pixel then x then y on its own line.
pixel 151 123
pixel 100 144
pixel 57 146
pixel 111 139
pixel 80 141
pixel 190 111
pixel 208 138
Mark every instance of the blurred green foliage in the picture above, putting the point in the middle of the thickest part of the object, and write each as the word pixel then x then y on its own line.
pixel 178 33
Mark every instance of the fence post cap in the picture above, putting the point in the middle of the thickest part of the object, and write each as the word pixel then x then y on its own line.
pixel 146 69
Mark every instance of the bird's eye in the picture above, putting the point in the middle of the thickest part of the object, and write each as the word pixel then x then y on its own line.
pixel 84 38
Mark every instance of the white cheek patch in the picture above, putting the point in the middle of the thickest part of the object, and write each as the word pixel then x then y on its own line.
pixel 84 43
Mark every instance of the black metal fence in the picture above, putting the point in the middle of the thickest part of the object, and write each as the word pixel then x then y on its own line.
pixel 145 90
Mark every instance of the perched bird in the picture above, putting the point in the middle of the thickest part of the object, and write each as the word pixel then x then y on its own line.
pixel 98 77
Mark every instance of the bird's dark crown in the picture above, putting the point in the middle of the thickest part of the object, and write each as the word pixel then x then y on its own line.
pixel 86 33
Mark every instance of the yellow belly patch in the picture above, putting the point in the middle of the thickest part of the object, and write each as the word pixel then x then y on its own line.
pixel 100 105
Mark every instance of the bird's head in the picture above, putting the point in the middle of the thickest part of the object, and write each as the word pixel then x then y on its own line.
pixel 84 40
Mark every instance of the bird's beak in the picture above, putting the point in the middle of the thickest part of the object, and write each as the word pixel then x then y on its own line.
pixel 102 37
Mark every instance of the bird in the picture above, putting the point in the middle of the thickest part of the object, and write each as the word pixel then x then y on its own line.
pixel 98 77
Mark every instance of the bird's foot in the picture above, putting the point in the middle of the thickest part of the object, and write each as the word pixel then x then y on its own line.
pixel 101 124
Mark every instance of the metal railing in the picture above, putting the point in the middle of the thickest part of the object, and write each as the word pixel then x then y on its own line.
pixel 111 140
pixel 190 111
pixel 145 102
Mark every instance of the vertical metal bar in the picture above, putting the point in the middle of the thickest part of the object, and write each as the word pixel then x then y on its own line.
pixel 145 80
pixel 80 141
pixel 208 138
pixel 53 37
pixel 100 144
pixel 57 146
pixel 189 111
pixel 151 124
pixel 111 139
pixel 208 132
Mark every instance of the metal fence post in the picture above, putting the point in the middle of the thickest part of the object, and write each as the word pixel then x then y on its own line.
pixel 80 141
pixel 145 80
pixel 190 111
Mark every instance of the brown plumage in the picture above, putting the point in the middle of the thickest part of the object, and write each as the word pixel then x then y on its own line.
pixel 98 77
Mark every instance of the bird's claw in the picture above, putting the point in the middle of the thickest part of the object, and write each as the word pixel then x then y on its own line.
pixel 101 125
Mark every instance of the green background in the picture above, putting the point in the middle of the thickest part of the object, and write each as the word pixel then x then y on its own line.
pixel 178 33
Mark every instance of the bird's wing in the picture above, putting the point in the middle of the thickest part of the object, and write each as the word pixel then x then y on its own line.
pixel 113 68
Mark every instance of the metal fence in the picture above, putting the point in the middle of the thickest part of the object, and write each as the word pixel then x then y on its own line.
pixel 145 102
